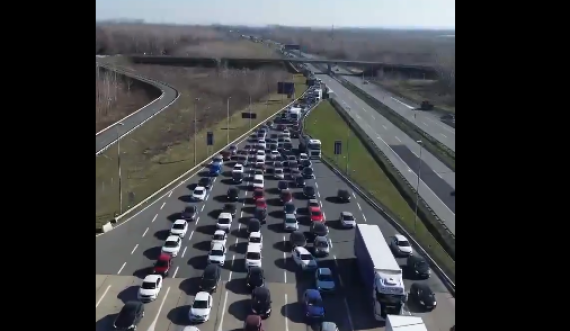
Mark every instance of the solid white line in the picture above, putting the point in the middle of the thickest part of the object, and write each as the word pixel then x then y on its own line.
pixel 223 312
pixel 145 231
pixel 398 139
pixel 443 135
pixel 122 267
pixel 424 123
pixel 154 218
pixel 134 249
pixel 286 315
pixel 102 296
pixel 153 325
pixel 164 203
pixel 184 251
pixel 175 272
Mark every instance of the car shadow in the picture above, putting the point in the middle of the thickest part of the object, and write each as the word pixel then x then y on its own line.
pixel 239 309
pixel 106 322
pixel 198 262
pixel 276 227
pixel 293 312
pixel 179 315
pixel 275 202
pixel 186 198
pixel 128 294
pixel 143 272
pixel 238 286
pixel 203 246
pixel 213 214
pixel 162 234
pixel 152 253
pixel 282 246
pixel 286 264
pixel 206 229
pixel 175 216
pixel 190 286
pixel 240 247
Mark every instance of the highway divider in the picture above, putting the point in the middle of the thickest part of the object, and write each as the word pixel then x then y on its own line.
pixel 405 189
pixel 436 148
pixel 147 202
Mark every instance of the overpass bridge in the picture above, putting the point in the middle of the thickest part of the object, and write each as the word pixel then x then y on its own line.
pixel 370 67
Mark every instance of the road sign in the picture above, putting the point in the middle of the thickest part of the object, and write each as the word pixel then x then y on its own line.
pixel 285 87
pixel 210 139
pixel 337 147
pixel 249 115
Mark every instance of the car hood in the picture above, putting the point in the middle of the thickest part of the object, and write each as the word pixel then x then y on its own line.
pixel 169 249
pixel 406 249
pixel 143 291
pixel 256 263
pixel 199 311
pixel 325 284
pixel 176 231
pixel 315 310
pixel 216 258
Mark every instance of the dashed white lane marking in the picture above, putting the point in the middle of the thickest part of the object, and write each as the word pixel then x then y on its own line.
pixel 102 296
pixel 374 118
pixel 184 251
pixel 202 209
pixel 223 310
pixel 175 271
pixel 443 135
pixel 398 139
pixel 424 123
pixel 145 231
pixel 189 238
pixel 154 218
pixel 197 220
pixel 164 203
pixel 317 185
pixel 230 276
pixel 354 195
pixel 122 267
pixel 134 249
pixel 357 204
pixel 384 126
pixel 364 218
pixel 170 194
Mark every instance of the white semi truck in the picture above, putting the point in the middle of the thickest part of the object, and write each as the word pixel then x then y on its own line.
pixel 379 271
pixel 404 323
pixel 311 146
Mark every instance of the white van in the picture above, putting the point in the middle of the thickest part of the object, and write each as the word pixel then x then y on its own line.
pixel 258 181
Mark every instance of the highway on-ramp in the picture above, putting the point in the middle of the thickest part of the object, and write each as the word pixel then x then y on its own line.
pixel 126 254
pixel 112 133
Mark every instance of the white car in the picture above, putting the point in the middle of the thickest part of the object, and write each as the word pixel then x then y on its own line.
pixel 401 245
pixel 304 259
pixel 278 173
pixel 290 223
pixel 150 288
pixel 224 221
pixel 273 155
pixel 347 219
pixel 303 157
pixel 220 237
pixel 255 238
pixel 201 307
pixel 260 155
pixel 199 193
pixel 179 228
pixel 253 256
pixel 261 145
pixel 238 168
pixel 217 254
pixel 172 245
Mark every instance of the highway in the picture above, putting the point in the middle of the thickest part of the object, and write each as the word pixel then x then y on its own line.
pixel 125 255
pixel 110 135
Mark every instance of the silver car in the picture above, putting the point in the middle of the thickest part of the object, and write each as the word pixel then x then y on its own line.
pixel 290 222
pixel 324 280
pixel 322 245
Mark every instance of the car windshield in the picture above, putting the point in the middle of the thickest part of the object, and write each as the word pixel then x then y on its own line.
pixel 255 240
pixel 403 243
pixel 189 210
pixel 170 244
pixel 224 221
pixel 348 218
pixel 278 171
pixel 314 301
pixel 161 263
pixel 322 244
pixel 422 265
pixel 178 226
pixel 325 278
pixel 306 257
pixel 309 190
pixel 126 317
pixel 217 252
pixel 198 192
pixel 219 237
pixel 258 181
pixel 253 256
pixel 314 204
pixel 316 213
pixel 148 285
pixel 200 304
pixel 289 208
pixel 290 220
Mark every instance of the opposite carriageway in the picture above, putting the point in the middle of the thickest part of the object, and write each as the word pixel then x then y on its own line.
pixel 126 254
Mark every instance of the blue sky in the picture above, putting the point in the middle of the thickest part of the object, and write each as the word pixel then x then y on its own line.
pixel 428 14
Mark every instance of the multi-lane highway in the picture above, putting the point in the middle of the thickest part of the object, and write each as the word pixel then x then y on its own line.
pixel 126 254
pixel 111 134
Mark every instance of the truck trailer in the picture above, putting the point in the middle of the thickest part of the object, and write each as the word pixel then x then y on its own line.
pixel 379 271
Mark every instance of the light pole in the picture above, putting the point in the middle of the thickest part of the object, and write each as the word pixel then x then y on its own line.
pixel 119 125
pixel 418 185
pixel 195 130
pixel 228 119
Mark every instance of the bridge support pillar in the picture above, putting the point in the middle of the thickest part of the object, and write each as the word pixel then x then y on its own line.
pixel 329 69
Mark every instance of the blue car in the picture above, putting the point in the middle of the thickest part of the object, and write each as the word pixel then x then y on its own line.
pixel 215 169
pixel 313 304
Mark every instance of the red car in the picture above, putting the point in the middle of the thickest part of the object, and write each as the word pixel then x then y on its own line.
pixel 258 194
pixel 316 214
pixel 260 203
pixel 162 265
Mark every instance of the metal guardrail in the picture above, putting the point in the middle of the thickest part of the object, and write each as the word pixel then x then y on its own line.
pixel 448 282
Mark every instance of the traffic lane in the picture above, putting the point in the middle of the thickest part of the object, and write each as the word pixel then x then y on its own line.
pixel 430 178
pixel 113 248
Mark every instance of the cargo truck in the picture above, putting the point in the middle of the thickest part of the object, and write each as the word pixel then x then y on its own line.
pixel 379 271
pixel 310 146
pixel 404 323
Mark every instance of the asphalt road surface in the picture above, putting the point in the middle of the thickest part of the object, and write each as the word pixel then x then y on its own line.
pixel 110 135
pixel 437 180
pixel 128 252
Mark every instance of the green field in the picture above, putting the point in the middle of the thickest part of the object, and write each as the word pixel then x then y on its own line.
pixel 142 176
pixel 326 124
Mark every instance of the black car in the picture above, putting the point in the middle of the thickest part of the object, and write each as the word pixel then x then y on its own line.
pixel 287 146
pixel 291 158
pixel 282 185
pixel 289 208
pixel 254 225
pixel 319 229
pixel 343 195
pixel 233 194
pixel 423 295
pixel 260 214
pixel 297 239
pixel 307 164
pixel 307 173
pixel 189 213
pixel 210 278
pixel 237 177
pixel 418 266
pixel 309 192
pixel 255 277
pixel 261 302
pixel 230 208
pixel 205 182
pixel 130 316
pixel 300 181
pixel 278 164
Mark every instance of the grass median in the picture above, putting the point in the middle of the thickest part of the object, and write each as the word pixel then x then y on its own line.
pixel 327 125
pixel 142 176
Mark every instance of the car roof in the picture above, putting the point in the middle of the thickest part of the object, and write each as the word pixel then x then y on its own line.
pixel 225 215
pixel 256 234
pixel 297 234
pixel 399 237
pixel 132 304
pixel 321 238
pixel 180 222
pixel 422 286
pixel 173 238
pixel 151 278
pixel 232 189
pixel 202 296
pixel 253 248
pixel 211 268
pixel 164 256
pixel 313 293
pixel 325 271
pixel 199 188
pixel 346 213
pixel 315 208
pixel 258 177
pixel 253 320
pixel 255 270
pixel 302 250
pixel 290 216
pixel 219 232
pixel 313 201
pixel 261 291
pixel 217 245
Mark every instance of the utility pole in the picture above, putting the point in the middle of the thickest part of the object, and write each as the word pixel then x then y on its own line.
pixel 228 119
pixel 118 126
